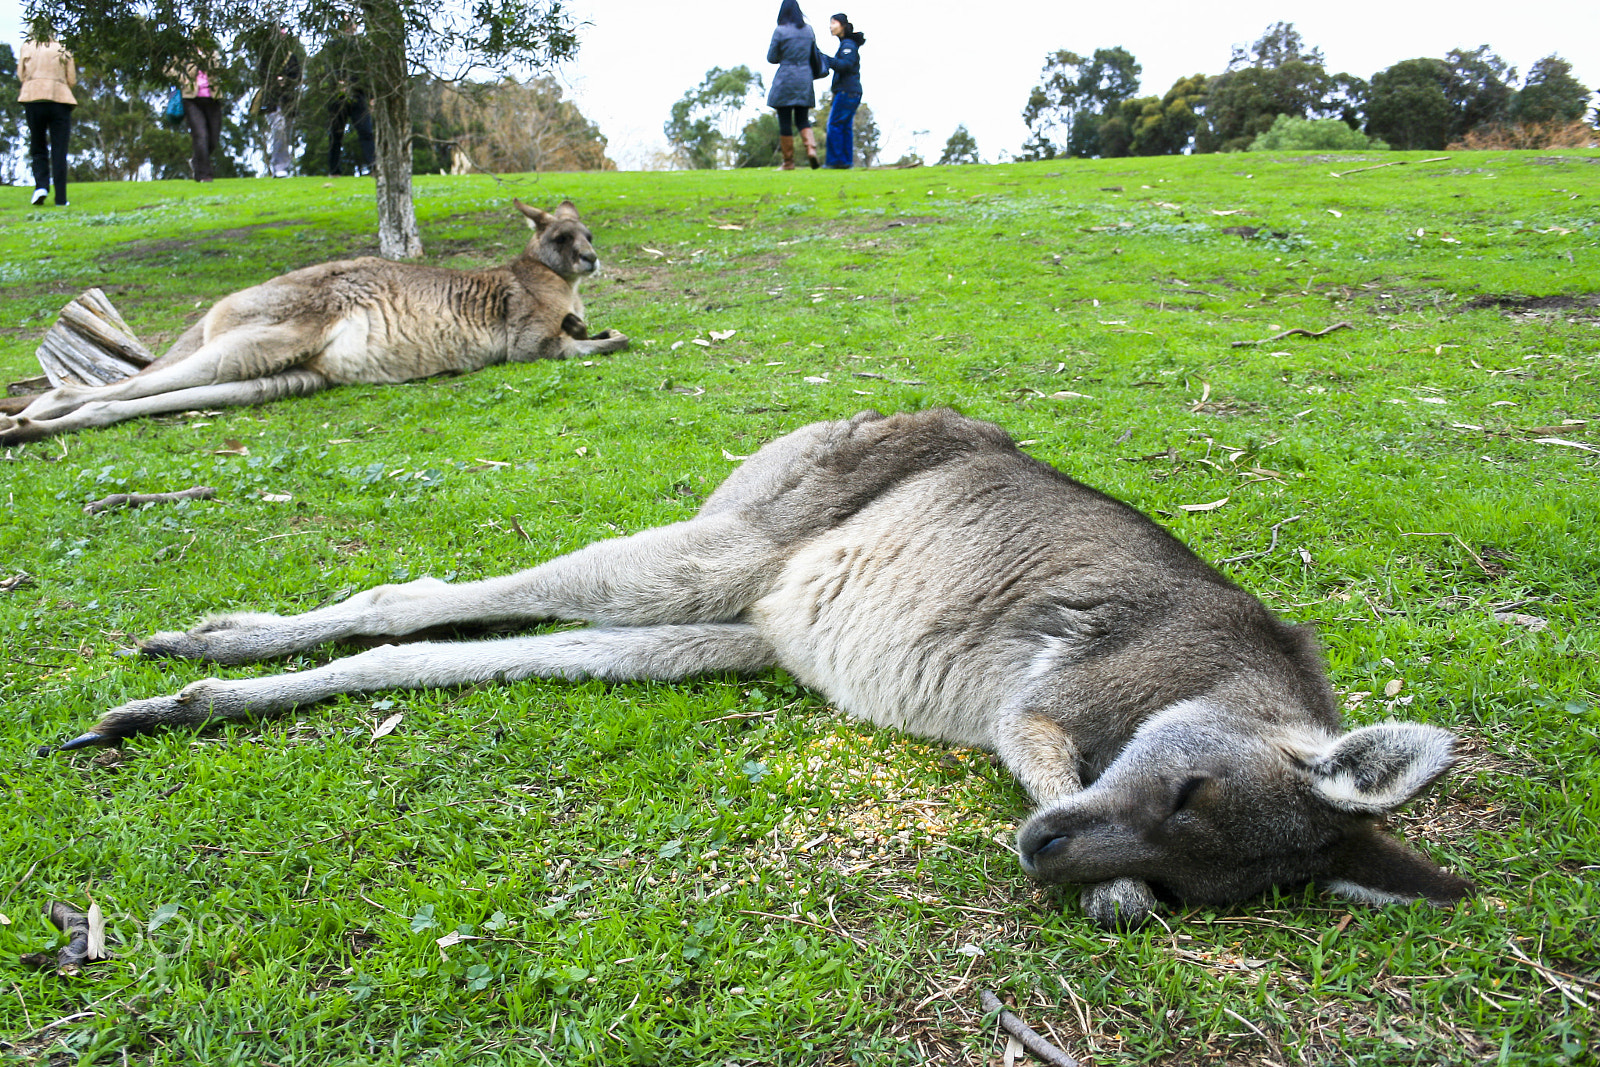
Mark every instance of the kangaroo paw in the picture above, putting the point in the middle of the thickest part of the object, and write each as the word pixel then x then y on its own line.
pixel 224 639
pixel 20 431
pixel 1123 904
pixel 134 717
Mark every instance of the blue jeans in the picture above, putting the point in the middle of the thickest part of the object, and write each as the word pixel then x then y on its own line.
pixel 841 130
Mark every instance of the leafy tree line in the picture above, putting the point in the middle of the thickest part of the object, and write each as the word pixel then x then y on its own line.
pixel 504 126
pixel 140 43
pixel 1279 94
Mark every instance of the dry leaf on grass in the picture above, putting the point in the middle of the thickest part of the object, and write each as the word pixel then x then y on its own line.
pixel 1565 442
pixel 1213 506
pixel 1394 687
pixel 386 727
pixel 277 498
pixel 1067 393
pixel 722 335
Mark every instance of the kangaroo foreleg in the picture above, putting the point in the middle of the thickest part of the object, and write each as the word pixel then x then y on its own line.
pixel 703 570
pixel 298 382
pixel 665 653
pixel 1044 759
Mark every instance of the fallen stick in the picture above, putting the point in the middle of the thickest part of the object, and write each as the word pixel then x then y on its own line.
pixel 1396 163
pixel 133 500
pixel 1292 333
pixel 1037 1047
pixel 1265 551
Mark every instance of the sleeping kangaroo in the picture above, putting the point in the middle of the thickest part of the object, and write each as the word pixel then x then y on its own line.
pixel 366 320
pixel 923 573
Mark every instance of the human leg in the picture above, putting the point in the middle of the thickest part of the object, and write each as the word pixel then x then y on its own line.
pixel 337 118
pixel 194 118
pixel 60 133
pixel 36 114
pixel 278 136
pixel 363 125
pixel 211 108
pixel 841 130
pixel 807 138
pixel 786 136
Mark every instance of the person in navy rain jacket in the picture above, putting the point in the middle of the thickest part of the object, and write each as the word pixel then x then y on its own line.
pixel 793 45
pixel 846 66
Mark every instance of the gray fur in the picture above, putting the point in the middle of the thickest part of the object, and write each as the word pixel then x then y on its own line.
pixel 369 321
pixel 924 574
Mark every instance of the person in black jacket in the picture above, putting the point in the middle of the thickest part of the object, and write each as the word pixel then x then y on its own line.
pixel 342 74
pixel 846 67
pixel 793 46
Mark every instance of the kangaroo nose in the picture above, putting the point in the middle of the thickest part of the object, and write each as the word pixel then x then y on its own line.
pixel 1039 846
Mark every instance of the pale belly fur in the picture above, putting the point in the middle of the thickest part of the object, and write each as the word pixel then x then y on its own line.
pixel 896 621
pixel 370 345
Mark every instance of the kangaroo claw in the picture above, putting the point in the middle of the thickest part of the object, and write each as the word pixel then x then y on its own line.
pixel 81 741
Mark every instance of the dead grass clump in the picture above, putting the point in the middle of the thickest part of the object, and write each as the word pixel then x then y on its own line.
pixel 1554 134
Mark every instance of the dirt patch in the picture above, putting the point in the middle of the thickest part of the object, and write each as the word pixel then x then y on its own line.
pixel 1512 303
pixel 911 220
pixel 141 250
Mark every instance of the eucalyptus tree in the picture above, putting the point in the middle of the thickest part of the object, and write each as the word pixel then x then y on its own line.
pixel 148 40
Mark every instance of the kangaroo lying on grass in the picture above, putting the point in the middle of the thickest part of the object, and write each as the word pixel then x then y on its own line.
pixel 923 573
pixel 366 320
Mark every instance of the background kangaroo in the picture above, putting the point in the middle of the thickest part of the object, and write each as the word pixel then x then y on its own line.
pixel 363 320
pixel 923 573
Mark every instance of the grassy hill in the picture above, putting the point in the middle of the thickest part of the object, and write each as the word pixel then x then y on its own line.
pixel 730 871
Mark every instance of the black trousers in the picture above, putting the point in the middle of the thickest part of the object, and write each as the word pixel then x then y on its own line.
pixel 49 126
pixel 340 116
pixel 204 117
pixel 791 119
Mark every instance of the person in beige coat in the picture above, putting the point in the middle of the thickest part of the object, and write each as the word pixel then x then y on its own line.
pixel 48 75
pixel 202 113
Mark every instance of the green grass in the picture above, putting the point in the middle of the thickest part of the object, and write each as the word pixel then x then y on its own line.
pixel 619 850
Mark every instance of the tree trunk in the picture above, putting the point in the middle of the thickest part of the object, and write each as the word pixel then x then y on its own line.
pixel 391 121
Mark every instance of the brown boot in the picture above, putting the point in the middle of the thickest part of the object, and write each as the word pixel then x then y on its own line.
pixel 810 141
pixel 786 147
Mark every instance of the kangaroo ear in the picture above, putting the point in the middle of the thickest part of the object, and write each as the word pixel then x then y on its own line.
pixel 1374 868
pixel 1378 768
pixel 567 210
pixel 536 218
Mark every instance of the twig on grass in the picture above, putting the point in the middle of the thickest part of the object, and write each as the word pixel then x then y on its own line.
pixel 1396 163
pixel 1265 551
pixel 23 880
pixel 133 500
pixel 517 526
pixel 805 922
pixel 740 715
pixel 1037 1046
pixel 1482 566
pixel 1296 332
pixel 1251 1025
pixel 59 1022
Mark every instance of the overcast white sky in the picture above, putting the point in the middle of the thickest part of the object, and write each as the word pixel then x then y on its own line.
pixel 931 65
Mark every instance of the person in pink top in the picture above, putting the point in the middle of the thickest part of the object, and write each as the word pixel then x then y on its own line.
pixel 202 112
pixel 48 75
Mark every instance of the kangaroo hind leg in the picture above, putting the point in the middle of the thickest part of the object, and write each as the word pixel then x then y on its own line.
pixel 703 570
pixel 665 653
pixel 297 382
pixel 241 354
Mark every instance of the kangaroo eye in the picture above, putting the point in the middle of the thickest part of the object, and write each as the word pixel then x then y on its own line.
pixel 1187 790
